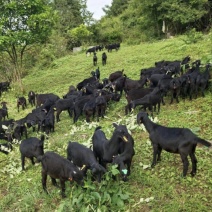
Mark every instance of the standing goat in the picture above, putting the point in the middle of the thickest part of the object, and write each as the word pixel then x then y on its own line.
pixel 175 140
pixel 3 111
pixel 95 59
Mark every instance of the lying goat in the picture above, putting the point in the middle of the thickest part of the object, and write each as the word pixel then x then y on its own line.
pixel 174 140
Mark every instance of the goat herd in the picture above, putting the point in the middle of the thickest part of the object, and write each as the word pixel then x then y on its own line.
pixel 95 49
pixel 91 98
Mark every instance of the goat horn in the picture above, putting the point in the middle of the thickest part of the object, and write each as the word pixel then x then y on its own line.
pixel 83 167
pixel 125 138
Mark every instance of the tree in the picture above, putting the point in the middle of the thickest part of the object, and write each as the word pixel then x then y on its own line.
pixel 23 23
pixel 116 8
pixel 79 35
pixel 69 12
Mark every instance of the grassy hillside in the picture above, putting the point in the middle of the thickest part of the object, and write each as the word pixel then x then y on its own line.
pixel 158 189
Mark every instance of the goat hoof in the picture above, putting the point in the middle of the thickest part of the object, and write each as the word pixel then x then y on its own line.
pixel 193 174
pixel 125 179
pixel 183 175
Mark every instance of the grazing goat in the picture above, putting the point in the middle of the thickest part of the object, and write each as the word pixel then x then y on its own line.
pixel 126 153
pixel 16 130
pixel 105 149
pixel 57 167
pixel 83 157
pixel 149 100
pixel 134 84
pixel 30 148
pixel 174 140
pixel 46 98
pixel 6 148
pixel 135 94
pixel 91 50
pixel 64 104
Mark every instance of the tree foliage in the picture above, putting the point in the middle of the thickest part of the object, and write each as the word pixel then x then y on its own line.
pixel 116 8
pixel 69 13
pixel 79 35
pixel 146 17
pixel 23 23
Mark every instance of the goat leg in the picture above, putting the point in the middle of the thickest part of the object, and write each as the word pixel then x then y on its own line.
pixel 155 151
pixel 185 164
pixel 44 178
pixel 54 182
pixel 194 164
pixel 62 182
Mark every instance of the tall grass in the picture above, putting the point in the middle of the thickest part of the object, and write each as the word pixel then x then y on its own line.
pixel 158 189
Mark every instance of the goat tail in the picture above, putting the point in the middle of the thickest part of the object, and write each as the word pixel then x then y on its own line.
pixel 203 142
pixel 98 128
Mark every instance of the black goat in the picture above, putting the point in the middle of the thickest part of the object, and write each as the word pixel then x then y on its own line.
pixel 91 50
pixel 79 105
pixel 30 148
pixel 96 73
pixel 101 105
pixel 203 79
pixel 48 123
pixel 135 94
pixel 175 88
pixel 16 130
pixel 126 153
pixel 21 101
pixel 105 149
pixel 104 58
pixel 31 98
pixel 48 98
pixel 6 148
pixel 83 157
pixel 83 83
pixel 89 109
pixel 95 59
pixel 134 84
pixel 174 140
pixel 149 100
pixel 115 75
pixel 3 111
pixel 64 104
pixel 57 167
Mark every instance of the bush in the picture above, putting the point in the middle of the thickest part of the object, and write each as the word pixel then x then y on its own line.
pixel 192 36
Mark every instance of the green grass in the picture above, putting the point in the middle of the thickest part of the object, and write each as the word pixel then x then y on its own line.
pixel 22 191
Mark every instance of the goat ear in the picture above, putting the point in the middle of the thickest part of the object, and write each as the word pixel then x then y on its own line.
pixel 115 125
